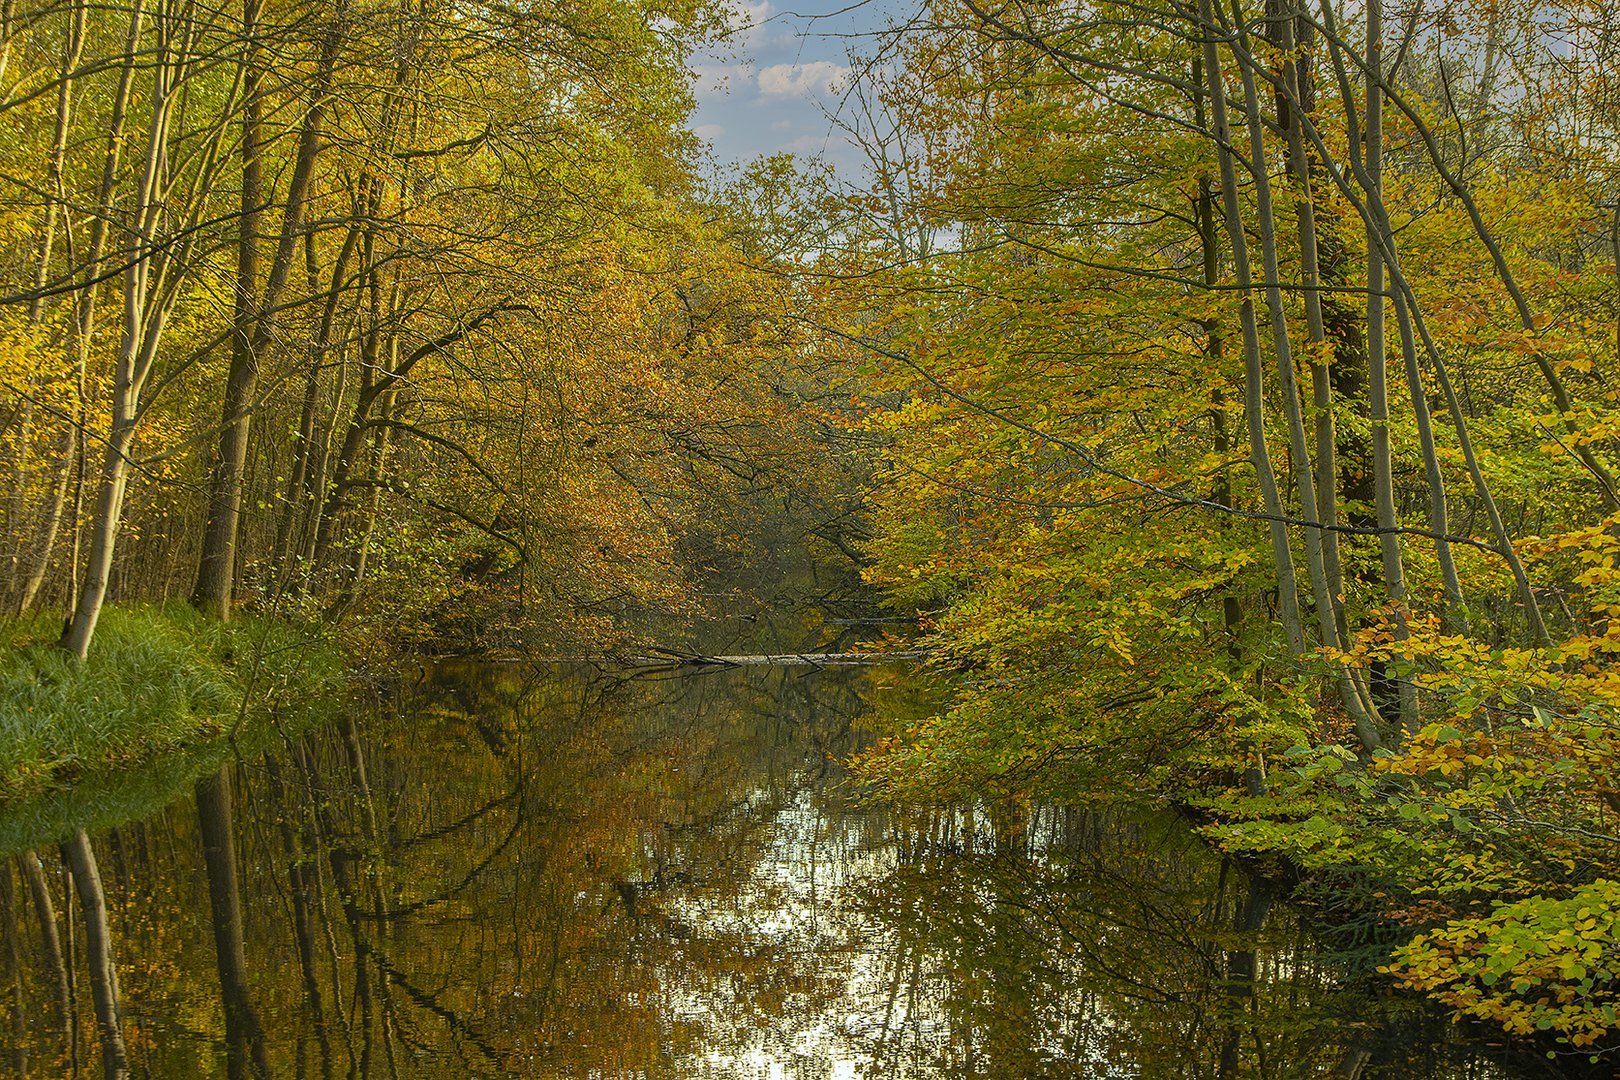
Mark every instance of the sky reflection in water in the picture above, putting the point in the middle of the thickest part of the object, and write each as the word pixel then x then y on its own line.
pixel 541 872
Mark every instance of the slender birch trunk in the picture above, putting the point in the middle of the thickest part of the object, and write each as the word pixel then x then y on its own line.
pixel 37 561
pixel 83 325
pixel 1254 409
pixel 1204 217
pixel 1381 255
pixel 1293 106
pixel 141 330
pixel 1389 541
pixel 156 267
pixel 1377 217
pixel 1376 214
pixel 1362 712
pixel 300 488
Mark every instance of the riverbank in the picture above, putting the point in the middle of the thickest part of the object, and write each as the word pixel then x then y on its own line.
pixel 160 679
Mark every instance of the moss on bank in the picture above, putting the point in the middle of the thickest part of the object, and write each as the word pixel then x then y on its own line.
pixel 159 680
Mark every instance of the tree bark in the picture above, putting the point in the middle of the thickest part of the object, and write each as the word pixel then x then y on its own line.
pixel 254 325
pixel 301 488
pixel 154 271
pixel 142 327
pixel 1254 408
pixel 1362 712
pixel 216 572
pixel 83 325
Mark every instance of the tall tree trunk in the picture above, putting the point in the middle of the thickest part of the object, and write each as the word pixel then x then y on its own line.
pixel 1377 215
pixel 1362 712
pixel 83 325
pixel 255 322
pixel 1382 256
pixel 143 326
pixel 154 271
pixel 1389 541
pixel 1340 364
pixel 1214 346
pixel 216 573
pixel 300 488
pixel 1294 99
pixel 36 565
pixel 1254 408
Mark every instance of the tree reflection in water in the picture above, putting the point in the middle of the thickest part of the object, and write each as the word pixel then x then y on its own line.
pixel 537 872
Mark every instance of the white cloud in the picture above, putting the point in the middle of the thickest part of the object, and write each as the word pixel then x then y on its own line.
pixel 802 80
pixel 708 131
pixel 805 144
pixel 711 79
pixel 745 23
pixel 781 125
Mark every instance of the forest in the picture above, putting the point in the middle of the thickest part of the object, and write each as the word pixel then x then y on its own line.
pixel 1224 399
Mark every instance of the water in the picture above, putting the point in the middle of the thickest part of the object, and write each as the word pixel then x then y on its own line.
pixel 520 871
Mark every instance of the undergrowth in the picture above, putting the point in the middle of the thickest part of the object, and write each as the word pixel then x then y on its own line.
pixel 158 680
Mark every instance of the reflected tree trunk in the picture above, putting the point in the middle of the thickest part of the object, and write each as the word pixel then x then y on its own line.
pixel 81 860
pixel 244 1038
pixel 13 951
pixel 1240 971
pixel 347 889
pixel 51 947
pixel 301 887
pixel 316 831
pixel 362 955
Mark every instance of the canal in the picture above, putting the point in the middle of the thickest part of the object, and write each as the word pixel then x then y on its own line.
pixel 563 871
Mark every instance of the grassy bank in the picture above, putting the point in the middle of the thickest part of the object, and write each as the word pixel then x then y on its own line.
pixel 159 680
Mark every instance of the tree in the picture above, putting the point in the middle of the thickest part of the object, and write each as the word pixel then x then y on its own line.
pixel 1130 605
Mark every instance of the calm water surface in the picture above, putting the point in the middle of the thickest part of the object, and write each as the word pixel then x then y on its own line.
pixel 525 871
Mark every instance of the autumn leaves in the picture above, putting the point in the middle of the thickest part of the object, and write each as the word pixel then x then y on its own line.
pixel 1181 223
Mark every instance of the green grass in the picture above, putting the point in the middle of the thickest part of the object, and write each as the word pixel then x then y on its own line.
pixel 159 681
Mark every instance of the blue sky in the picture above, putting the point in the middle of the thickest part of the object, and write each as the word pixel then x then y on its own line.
pixel 770 87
